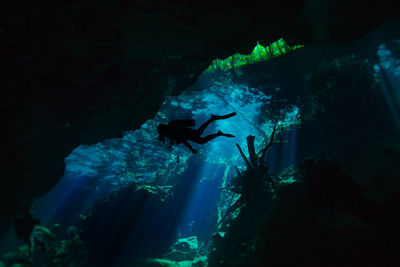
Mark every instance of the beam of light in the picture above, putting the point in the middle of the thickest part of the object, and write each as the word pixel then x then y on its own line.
pixel 292 145
pixel 199 215
pixel 288 151
pixel 77 190
pixel 284 155
pixel 388 72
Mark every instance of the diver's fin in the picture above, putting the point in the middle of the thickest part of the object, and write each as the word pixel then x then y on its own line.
pixel 226 135
pixel 227 116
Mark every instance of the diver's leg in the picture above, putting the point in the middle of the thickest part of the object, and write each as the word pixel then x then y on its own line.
pixel 194 151
pixel 204 126
pixel 226 135
pixel 203 140
pixel 212 119
pixel 223 117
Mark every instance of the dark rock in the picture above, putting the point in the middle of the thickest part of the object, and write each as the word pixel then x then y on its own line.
pixel 322 219
pixel 52 246
pixel 24 226
pixel 325 220
pixel 183 249
pixel 329 187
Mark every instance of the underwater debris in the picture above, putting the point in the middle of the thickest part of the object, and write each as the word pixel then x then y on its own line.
pixel 287 176
pixel 50 247
pixel 163 192
pixel 255 180
pixel 183 249
pixel 40 237
pixel 257 190
pixel 197 262
pixel 183 253
pixel 256 173
pixel 24 225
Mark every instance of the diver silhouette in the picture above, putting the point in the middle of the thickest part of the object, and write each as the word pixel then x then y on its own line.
pixel 179 131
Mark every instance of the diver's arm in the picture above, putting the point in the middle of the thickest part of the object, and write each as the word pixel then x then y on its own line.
pixel 194 151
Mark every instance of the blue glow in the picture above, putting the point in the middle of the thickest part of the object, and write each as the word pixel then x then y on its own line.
pixel 389 67
pixel 200 213
pixel 95 172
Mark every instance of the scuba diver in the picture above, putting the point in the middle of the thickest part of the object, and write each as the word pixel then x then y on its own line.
pixel 179 131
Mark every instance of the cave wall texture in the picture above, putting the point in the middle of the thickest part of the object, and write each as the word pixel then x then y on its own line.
pixel 78 72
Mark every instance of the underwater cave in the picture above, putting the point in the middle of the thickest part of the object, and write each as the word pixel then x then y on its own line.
pixel 140 133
